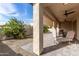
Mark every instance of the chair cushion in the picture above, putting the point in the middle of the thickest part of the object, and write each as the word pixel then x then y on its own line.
pixel 70 35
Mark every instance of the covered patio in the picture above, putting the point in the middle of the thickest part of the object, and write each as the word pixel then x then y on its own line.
pixel 60 16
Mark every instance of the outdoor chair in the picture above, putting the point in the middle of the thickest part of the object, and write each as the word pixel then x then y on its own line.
pixel 69 37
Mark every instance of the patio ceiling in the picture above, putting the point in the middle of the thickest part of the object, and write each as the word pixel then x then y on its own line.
pixel 58 9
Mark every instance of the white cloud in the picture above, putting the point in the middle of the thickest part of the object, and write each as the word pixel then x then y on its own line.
pixel 27 20
pixel 1 17
pixel 31 24
pixel 2 20
pixel 2 23
pixel 8 9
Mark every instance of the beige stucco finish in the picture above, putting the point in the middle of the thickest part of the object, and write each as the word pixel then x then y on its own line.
pixel 47 21
pixel 37 29
pixel 77 28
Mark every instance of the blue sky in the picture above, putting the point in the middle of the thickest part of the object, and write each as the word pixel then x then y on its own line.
pixel 22 11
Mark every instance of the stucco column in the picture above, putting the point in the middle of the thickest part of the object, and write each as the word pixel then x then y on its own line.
pixel 57 30
pixel 37 29
pixel 77 28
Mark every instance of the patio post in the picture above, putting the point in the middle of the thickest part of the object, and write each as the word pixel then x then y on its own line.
pixel 37 29
pixel 77 29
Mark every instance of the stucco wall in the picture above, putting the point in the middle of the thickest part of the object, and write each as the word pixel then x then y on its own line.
pixel 78 28
pixel 67 26
pixel 47 21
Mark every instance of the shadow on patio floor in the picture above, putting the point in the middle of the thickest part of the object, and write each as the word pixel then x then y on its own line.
pixel 7 51
pixel 58 46
pixel 55 47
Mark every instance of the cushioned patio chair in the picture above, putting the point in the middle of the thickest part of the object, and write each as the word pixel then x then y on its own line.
pixel 69 37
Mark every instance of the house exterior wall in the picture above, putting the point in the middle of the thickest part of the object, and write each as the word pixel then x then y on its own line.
pixel 75 27
pixel 78 28
pixel 67 26
pixel 47 21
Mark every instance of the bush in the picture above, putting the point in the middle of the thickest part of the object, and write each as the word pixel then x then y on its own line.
pixel 14 28
pixel 45 29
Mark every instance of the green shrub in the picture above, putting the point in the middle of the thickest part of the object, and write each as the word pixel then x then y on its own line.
pixel 14 28
pixel 45 29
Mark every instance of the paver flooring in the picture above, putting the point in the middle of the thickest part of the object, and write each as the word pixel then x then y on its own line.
pixel 13 47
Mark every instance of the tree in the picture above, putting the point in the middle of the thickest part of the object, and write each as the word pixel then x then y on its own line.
pixel 14 28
